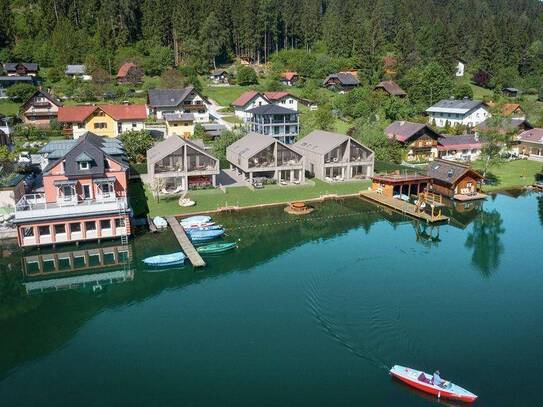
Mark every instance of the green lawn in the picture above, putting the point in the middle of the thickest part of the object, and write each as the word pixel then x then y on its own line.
pixel 9 108
pixel 233 119
pixel 513 174
pixel 342 126
pixel 212 199
pixel 225 95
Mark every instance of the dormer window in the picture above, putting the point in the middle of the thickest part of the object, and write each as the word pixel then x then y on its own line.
pixel 84 165
pixel 83 162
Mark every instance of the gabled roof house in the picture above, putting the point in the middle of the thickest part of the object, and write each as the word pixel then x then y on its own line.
pixel 185 100
pixel 40 109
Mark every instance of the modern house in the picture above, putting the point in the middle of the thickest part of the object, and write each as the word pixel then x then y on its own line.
pixel 420 140
pixel 219 76
pixel 7 81
pixel 454 180
pixel 179 124
pixel 84 194
pixel 40 109
pixel 462 112
pixel 77 71
pixel 129 72
pixel 274 120
pixel 531 144
pixel 104 120
pixel 185 100
pixel 335 157
pixel 341 81
pixel 259 157
pixel 390 88
pixel 466 147
pixel 21 69
pixel 181 164
pixel 289 78
pixel 250 100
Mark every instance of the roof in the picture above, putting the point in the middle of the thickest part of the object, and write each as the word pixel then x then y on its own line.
pixel 345 78
pixel 78 114
pixel 168 97
pixel 320 141
pixel 506 124
pixel 511 89
pixel 459 142
pixel 288 75
pixel 11 180
pixel 391 87
pixel 213 129
pixel 171 144
pixel 277 95
pixel 271 109
pixel 46 95
pixel 532 135
pixel 219 72
pixel 402 130
pixel 461 106
pixel 58 148
pixel 12 66
pixel 449 172
pixel 75 70
pixel 251 144
pixel 16 79
pixel 171 117
pixel 510 108
pixel 124 68
pixel 245 98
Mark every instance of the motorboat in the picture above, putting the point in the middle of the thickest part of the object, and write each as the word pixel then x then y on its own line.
pixel 216 247
pixel 424 382
pixel 160 222
pixel 165 259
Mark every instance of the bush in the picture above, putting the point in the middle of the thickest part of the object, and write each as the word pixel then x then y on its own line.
pixel 137 143
pixel 21 91
pixel 246 76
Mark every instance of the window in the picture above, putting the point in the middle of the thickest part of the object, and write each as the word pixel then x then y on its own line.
pixel 67 191
pixel 290 101
pixel 84 165
pixel 86 192
pixel 105 224
pixel 60 229
pixel 106 189
pixel 28 231
pixel 119 223
pixel 134 125
pixel 44 230
pixel 100 125
pixel 90 225
pixel 75 227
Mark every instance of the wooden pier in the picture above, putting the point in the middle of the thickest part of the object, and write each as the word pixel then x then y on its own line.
pixel 403 207
pixel 185 242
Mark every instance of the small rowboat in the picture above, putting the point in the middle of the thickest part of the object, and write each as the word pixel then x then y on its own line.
pixel 216 247
pixel 165 259
pixel 205 235
pixel 205 226
pixel 423 381
pixel 195 221
pixel 160 222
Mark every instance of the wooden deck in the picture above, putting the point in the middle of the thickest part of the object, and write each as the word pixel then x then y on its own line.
pixel 403 207
pixel 185 242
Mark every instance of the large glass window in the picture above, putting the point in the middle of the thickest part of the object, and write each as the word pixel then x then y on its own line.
pixel 44 230
pixel 198 161
pixel 336 155
pixel 90 225
pixel 60 228
pixel 105 224
pixel 173 162
pixel 75 227
pixel 286 156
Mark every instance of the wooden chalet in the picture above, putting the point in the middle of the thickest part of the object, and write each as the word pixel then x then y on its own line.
pixel 390 88
pixel 129 72
pixel 454 180
pixel 396 184
pixel 422 142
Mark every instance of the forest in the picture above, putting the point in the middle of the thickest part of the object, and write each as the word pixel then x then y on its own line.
pixel 500 37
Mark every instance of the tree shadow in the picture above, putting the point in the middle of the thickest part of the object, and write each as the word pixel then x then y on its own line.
pixel 137 198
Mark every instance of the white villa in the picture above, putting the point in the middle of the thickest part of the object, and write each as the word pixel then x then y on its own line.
pixel 458 112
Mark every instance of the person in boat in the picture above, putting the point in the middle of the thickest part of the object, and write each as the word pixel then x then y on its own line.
pixel 436 380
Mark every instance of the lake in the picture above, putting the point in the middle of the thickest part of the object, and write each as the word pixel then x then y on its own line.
pixel 308 311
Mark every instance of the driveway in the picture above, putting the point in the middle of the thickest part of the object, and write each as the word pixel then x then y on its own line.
pixel 214 108
pixel 229 178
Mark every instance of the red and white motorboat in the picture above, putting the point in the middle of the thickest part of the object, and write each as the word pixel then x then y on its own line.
pixel 424 382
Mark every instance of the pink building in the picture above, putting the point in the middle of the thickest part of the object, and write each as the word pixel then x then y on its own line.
pixel 83 197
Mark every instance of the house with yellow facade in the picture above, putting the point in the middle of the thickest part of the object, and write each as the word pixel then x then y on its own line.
pixel 104 120
pixel 179 124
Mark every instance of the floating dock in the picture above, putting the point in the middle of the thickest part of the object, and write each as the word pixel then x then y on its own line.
pixel 403 207
pixel 185 242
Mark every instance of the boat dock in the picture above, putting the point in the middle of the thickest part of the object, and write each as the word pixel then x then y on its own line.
pixel 403 207
pixel 185 242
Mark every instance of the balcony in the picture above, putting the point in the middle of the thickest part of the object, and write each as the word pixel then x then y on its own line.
pixel 34 206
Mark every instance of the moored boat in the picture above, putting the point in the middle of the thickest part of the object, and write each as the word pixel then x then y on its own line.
pixel 160 222
pixel 203 226
pixel 165 259
pixel 217 247
pixel 205 235
pixel 424 382
pixel 195 221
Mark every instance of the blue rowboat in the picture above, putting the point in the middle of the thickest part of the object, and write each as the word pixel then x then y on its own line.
pixel 165 259
pixel 205 235
pixel 197 228
pixel 195 221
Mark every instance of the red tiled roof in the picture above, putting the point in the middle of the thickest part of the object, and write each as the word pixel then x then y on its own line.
pixel 244 98
pixel 78 114
pixel 123 70
pixel 532 135
pixel 462 142
pixel 276 95
pixel 510 108
pixel 391 87
pixel 288 75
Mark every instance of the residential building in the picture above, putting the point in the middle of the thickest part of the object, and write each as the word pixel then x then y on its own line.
pixel 213 130
pixel 129 72
pixel 390 88
pixel 21 69
pixel 40 109
pixel 420 140
pixel 12 188
pixel 250 100
pixel 289 78
pixel 462 112
pixel 335 157
pixel 7 81
pixel 104 120
pixel 453 180
pixel 513 110
pixel 182 165
pixel 460 67
pixel 531 144
pixel 341 81
pixel 506 125
pixel 511 92
pixel 84 194
pixel 179 124
pixel 77 71
pixel 466 147
pixel 184 100
pixel 219 76
pixel 274 120
pixel 255 156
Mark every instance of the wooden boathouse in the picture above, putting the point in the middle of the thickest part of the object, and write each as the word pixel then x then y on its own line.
pixel 395 184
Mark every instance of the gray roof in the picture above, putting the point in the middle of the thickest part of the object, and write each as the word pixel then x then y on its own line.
pixel 12 66
pixel 46 95
pixel 511 89
pixel 463 139
pixel 214 129
pixel 16 79
pixel 251 144
pixel 178 116
pixel 320 141
pixel 271 109
pixel 218 72
pixel 345 78
pixel 75 70
pixel 403 130
pixel 454 106
pixel 168 97
pixel 391 87
pixel 447 172
pixel 83 157
pixel 171 144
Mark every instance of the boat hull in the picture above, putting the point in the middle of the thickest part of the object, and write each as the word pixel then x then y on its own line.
pixel 163 260
pixel 410 377
pixel 216 248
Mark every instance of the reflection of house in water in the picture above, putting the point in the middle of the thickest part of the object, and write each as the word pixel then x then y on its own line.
pixel 93 267
pixel 461 214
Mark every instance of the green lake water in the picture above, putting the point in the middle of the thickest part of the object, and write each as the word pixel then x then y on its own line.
pixel 309 311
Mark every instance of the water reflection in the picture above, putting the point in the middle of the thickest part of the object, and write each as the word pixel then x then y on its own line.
pixel 540 208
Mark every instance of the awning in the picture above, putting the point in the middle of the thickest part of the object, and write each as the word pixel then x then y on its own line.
pixel 64 182
pixel 104 180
